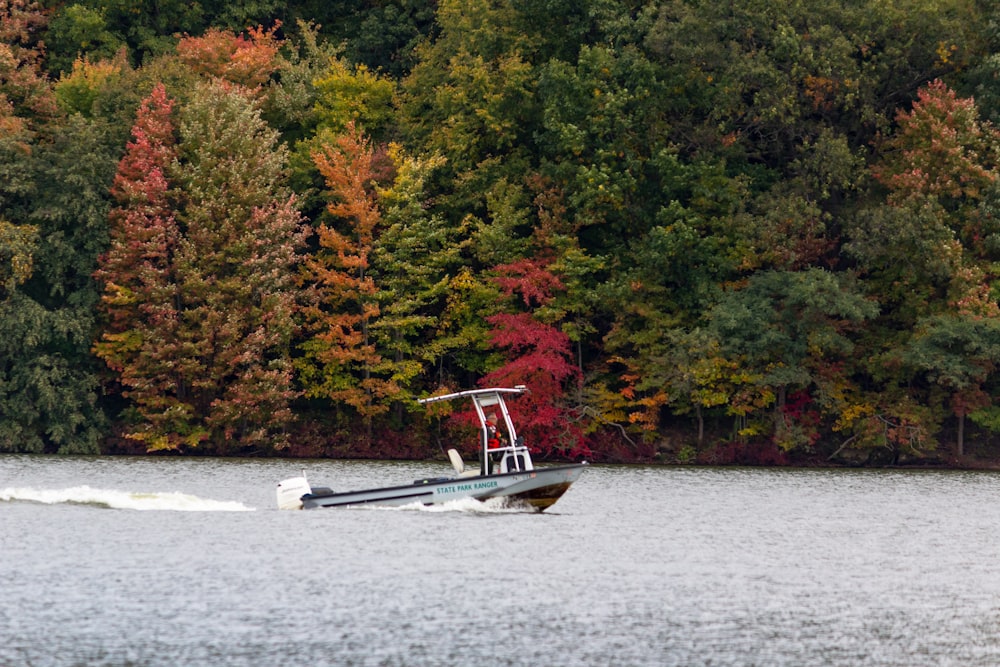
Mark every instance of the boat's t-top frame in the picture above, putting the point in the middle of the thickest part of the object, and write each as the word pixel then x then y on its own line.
pixel 511 454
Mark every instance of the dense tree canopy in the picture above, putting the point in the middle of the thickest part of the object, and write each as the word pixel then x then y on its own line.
pixel 199 284
pixel 747 231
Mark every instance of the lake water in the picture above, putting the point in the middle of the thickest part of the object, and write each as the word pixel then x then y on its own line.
pixel 149 562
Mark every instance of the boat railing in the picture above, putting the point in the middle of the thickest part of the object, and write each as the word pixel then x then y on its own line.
pixel 510 457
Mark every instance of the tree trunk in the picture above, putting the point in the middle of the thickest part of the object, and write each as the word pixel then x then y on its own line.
pixel 960 440
pixel 779 410
pixel 701 423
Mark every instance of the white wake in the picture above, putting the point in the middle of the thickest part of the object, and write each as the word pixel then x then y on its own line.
pixel 469 505
pixel 125 500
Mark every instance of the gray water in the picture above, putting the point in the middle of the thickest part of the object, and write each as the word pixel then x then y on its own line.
pixel 149 562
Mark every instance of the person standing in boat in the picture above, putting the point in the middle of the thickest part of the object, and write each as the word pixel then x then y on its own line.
pixel 494 439
pixel 493 435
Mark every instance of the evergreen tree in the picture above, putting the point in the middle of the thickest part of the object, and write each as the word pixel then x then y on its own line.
pixel 413 261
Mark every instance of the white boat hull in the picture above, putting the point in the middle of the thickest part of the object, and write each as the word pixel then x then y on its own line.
pixel 538 488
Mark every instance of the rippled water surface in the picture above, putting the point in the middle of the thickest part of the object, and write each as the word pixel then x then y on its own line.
pixel 136 562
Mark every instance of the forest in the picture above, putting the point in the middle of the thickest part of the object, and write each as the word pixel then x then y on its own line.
pixel 757 232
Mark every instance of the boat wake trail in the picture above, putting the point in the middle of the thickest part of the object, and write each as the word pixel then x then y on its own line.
pixel 125 500
pixel 466 505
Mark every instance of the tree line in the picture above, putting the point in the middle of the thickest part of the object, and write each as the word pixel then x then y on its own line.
pixel 698 232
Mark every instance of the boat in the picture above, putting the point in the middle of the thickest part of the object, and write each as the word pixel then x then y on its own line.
pixel 505 472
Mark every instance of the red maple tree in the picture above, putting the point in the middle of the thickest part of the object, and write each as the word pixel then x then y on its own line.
pixel 540 356
pixel 140 300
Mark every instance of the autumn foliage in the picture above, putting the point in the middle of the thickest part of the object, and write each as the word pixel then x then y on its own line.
pixel 198 282
pixel 247 60
pixel 341 362
pixel 141 300
pixel 539 356
pixel 697 232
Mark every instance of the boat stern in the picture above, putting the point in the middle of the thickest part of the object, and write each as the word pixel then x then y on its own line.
pixel 290 492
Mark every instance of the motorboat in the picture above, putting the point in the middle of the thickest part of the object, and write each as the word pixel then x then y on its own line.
pixel 505 470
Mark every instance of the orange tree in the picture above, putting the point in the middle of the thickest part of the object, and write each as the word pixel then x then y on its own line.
pixel 340 362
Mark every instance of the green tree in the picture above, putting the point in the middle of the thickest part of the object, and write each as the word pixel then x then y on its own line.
pixel 237 266
pixel 413 260
pixel 604 143
pixel 756 79
pixel 957 353
pixel 469 96
pixel 149 28
pixel 339 95
pixel 78 91
pixel 387 34
pixel 784 328
pixel 78 32
pixel 48 380
pixel 347 94
pixel 17 249
pixel 54 175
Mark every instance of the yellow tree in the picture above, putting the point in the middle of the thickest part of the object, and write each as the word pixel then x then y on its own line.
pixel 17 246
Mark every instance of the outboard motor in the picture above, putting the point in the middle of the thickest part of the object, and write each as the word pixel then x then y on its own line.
pixel 290 492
